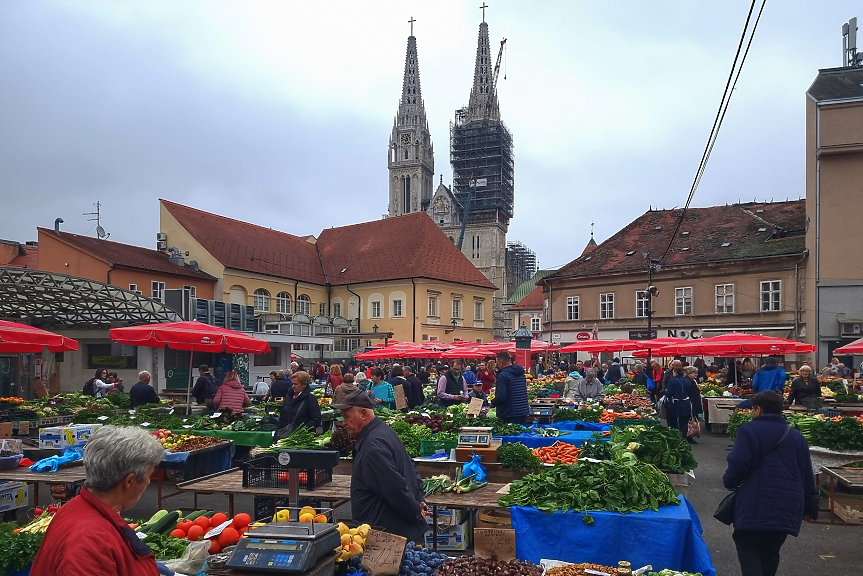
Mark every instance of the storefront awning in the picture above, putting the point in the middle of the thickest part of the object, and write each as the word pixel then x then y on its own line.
pixel 64 299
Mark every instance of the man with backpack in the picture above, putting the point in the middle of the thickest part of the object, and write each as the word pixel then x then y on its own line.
pixel 205 387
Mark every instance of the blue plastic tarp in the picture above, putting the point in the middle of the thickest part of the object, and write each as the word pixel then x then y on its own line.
pixel 534 441
pixel 670 538
pixel 576 425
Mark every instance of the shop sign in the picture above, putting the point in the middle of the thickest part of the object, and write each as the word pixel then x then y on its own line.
pixel 642 335
pixel 685 333
pixel 582 336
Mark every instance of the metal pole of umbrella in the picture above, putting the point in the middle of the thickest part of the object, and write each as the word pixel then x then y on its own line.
pixel 189 386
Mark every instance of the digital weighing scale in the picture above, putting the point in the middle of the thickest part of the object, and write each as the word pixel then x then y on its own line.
pixel 542 412
pixel 474 436
pixel 285 547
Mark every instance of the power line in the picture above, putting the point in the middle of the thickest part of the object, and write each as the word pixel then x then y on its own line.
pixel 720 116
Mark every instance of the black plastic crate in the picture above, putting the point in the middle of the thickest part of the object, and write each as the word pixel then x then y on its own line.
pixel 266 472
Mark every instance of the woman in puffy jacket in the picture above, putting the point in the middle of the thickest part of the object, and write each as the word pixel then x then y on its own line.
pixel 231 395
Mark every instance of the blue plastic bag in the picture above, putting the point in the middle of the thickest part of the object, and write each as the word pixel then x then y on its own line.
pixel 651 385
pixel 474 467
pixel 51 463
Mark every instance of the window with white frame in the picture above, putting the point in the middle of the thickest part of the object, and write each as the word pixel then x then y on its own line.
pixel 725 298
pixel 535 324
pixel 771 296
pixel 572 307
pixel 398 311
pixel 322 309
pixel 478 312
pixel 134 288
pixel 283 303
pixel 456 308
pixel 368 343
pixel 192 290
pixel 683 301
pixel 304 304
pixel 434 306
pixel 641 303
pixel 376 309
pixel 262 300
pixel 337 308
pixel 606 305
pixel 157 289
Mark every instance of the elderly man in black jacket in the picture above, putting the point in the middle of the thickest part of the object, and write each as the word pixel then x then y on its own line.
pixel 386 489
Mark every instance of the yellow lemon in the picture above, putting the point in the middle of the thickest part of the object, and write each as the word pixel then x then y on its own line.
pixel 346 540
pixel 306 517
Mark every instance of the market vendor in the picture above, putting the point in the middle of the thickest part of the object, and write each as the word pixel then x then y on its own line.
pixel 571 383
pixel 386 489
pixel 589 388
pixel 118 462
pixel 300 406
pixel 804 386
pixel 452 387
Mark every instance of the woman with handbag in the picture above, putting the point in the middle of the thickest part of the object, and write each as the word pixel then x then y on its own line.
pixel 300 407
pixel 770 473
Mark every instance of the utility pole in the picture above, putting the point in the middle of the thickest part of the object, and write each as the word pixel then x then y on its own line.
pixel 652 291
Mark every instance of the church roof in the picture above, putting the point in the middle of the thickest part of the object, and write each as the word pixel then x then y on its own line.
pixel 526 287
pixel 533 301
pixel 409 246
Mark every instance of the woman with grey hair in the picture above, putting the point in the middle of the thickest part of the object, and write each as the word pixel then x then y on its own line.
pixel 118 463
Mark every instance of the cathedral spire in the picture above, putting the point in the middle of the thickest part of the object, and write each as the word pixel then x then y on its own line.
pixel 483 96
pixel 411 107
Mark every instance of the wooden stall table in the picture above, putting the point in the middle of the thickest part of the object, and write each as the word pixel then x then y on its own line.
pixel 850 478
pixel 67 475
pixel 337 492
pixel 485 497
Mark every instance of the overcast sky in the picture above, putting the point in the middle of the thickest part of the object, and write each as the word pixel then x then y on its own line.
pixel 279 112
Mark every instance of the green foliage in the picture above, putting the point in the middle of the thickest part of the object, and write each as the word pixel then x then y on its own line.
pixel 166 547
pixel 846 434
pixel 659 445
pixel 515 456
pixel 625 485
pixel 17 551
pixel 582 415
pixel 736 420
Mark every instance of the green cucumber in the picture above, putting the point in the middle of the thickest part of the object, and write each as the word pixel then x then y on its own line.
pixel 165 524
pixel 196 514
pixel 210 513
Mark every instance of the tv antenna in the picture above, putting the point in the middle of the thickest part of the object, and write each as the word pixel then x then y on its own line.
pixel 100 232
pixel 850 56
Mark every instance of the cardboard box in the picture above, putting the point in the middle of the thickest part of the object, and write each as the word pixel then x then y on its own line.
pixel 448 516
pixel 59 437
pixel 15 496
pixel 450 538
pixel 5 430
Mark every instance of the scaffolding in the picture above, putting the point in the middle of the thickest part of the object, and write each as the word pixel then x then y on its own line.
pixel 521 265
pixel 483 149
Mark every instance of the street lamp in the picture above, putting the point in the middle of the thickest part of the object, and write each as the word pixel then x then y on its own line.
pixel 454 323
pixel 375 328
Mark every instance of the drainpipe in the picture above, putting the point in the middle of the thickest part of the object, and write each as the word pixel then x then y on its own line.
pixel 359 306
pixel 797 294
pixel 108 276
pixel 817 294
pixel 414 312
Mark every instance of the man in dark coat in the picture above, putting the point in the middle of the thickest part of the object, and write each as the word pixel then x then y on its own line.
pixel 777 495
pixel 142 393
pixel 205 386
pixel 413 390
pixel 510 394
pixel 386 489
pixel 279 388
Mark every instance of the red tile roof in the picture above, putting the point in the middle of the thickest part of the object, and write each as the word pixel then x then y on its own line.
pixel 409 246
pixel 533 301
pixel 27 257
pixel 751 230
pixel 126 255
pixel 249 247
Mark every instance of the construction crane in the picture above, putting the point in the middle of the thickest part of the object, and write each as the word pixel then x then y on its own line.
pixel 473 181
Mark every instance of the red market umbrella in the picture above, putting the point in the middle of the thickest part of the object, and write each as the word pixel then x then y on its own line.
pixel 855 347
pixel 608 346
pixel 193 336
pixel 465 352
pixel 738 344
pixel 23 339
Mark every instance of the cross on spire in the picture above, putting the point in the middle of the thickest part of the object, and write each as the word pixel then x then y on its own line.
pixel 483 7
pixel 591 229
pixel 411 22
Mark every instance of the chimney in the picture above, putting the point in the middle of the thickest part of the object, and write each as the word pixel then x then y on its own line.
pixel 57 222
pixel 175 257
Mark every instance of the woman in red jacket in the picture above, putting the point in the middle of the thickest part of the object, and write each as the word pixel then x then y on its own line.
pixel 231 395
pixel 118 462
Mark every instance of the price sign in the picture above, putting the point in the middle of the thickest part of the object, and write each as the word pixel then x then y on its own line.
pixel 494 542
pixel 475 407
pixel 23 428
pixel 401 400
pixel 216 414
pixel 102 418
pixel 145 424
pixel 383 553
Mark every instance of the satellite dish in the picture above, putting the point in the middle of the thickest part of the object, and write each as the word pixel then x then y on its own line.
pixel 100 232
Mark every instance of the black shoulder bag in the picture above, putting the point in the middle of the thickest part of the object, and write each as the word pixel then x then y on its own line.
pixel 725 511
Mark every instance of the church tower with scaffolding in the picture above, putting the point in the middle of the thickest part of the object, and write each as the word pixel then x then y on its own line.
pixel 410 154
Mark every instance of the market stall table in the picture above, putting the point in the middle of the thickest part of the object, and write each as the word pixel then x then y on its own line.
pixel 263 439
pixel 850 478
pixel 719 408
pixel 576 438
pixel 230 483
pixel 485 497
pixel 670 537
pixel 67 475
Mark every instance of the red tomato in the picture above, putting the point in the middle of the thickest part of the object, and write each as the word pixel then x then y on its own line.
pixel 242 520
pixel 177 533
pixel 185 525
pixel 215 547
pixel 218 518
pixel 229 536
pixel 195 533
pixel 203 522
pixel 283 476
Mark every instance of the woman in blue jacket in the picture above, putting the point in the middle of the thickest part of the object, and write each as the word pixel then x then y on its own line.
pixel 774 497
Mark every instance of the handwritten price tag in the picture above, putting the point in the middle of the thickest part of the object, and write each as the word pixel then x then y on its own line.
pixel 383 553
pixel 475 407
pixel 23 428
pixel 401 400
pixel 497 542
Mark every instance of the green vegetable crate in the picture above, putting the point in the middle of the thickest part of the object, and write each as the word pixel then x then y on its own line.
pixel 431 446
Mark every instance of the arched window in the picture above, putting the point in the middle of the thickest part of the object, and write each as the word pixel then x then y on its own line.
pixel 262 300
pixel 283 303
pixel 304 304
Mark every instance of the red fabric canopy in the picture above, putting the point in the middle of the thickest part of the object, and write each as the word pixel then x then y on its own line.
pixel 608 346
pixel 464 352
pixel 23 339
pixel 736 344
pixel 192 335
pixel 855 347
